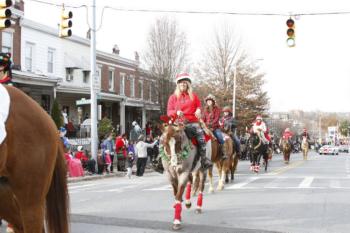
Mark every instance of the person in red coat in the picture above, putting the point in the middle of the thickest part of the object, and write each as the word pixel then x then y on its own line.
pixel 121 145
pixel 211 117
pixel 287 134
pixel 186 106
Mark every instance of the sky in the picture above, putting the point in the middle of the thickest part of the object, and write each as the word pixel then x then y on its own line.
pixel 312 76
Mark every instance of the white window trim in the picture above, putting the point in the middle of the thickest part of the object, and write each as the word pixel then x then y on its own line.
pixel 53 50
pixel 132 86
pixel 141 88
pixel 111 87
pixel 122 84
pixel 150 91
pixel 32 45
pixel 11 32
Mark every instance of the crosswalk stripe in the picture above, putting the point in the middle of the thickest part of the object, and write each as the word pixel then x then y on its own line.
pixel 306 183
pixel 162 188
pixel 242 184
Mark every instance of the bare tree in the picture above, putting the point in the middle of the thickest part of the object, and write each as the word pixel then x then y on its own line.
pixel 166 55
pixel 222 59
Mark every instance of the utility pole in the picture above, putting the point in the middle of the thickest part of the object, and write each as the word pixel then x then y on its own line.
pixel 234 93
pixel 93 83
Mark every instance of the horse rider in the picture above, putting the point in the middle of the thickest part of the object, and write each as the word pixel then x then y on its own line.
pixel 305 134
pixel 6 68
pixel 211 116
pixel 229 125
pixel 185 105
pixel 259 128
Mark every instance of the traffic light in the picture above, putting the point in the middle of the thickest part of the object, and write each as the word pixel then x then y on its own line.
pixel 66 23
pixel 5 13
pixel 290 33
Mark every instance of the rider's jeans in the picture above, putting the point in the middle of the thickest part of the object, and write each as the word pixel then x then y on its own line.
pixel 218 134
pixel 193 130
pixel 237 143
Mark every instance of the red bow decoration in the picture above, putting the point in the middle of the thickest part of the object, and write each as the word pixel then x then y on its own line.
pixel 167 119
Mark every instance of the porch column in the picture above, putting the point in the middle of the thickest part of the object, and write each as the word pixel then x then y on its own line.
pixel 122 116
pixel 144 118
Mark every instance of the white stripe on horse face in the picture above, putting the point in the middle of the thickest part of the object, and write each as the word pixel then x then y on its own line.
pixel 173 157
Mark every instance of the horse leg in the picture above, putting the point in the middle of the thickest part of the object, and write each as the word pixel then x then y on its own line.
pixel 234 166
pixel 222 172
pixel 8 207
pixel 202 177
pixel 178 207
pixel 210 174
pixel 188 194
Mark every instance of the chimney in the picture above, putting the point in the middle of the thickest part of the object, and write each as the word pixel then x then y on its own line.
pixel 137 57
pixel 88 34
pixel 116 49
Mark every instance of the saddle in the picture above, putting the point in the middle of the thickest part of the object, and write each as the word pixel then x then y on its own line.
pixel 4 111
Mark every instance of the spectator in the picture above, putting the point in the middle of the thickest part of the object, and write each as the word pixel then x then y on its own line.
pixel 141 154
pixel 108 144
pixel 121 145
pixel 79 154
pixel 135 132
pixel 130 160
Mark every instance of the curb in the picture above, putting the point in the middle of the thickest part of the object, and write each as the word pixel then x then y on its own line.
pixel 97 177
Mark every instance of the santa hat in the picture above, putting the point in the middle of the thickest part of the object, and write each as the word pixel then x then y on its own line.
pixel 80 148
pixel 183 76
pixel 258 117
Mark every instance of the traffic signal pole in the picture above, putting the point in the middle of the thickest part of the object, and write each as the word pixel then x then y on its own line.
pixel 93 84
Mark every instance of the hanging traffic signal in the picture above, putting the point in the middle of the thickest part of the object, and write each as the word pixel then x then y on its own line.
pixel 5 13
pixel 66 23
pixel 290 33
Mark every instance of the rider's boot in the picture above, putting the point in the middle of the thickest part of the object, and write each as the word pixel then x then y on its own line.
pixel 205 162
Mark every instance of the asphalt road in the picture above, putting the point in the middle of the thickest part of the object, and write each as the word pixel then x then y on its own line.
pixel 304 196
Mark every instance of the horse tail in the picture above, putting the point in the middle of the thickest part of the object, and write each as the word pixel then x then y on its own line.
pixel 57 201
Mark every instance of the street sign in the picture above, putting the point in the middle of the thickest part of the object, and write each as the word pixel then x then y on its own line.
pixel 83 101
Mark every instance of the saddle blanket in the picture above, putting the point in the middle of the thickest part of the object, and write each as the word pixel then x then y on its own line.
pixel 4 111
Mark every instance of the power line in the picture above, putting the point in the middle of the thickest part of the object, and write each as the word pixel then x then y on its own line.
pixel 197 12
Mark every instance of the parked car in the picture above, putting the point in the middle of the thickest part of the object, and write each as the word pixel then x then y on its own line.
pixel 328 149
pixel 344 148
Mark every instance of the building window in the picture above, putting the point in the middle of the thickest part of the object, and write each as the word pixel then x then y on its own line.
pixel 7 42
pixel 111 80
pixel 29 50
pixel 132 86
pixel 141 89
pixel 69 74
pixel 45 103
pixel 122 84
pixel 86 76
pixel 150 91
pixel 50 60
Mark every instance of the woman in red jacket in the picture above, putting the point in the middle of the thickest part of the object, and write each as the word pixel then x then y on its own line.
pixel 212 116
pixel 186 106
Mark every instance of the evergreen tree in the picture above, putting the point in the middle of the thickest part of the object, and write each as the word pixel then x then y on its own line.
pixel 56 114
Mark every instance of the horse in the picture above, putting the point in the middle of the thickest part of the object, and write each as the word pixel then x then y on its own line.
pixel 178 159
pixel 225 160
pixel 286 149
pixel 33 182
pixel 256 149
pixel 305 147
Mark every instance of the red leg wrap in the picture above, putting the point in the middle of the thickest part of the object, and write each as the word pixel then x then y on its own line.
pixel 188 191
pixel 178 209
pixel 200 200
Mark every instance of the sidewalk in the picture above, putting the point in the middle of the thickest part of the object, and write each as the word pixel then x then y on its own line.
pixel 97 176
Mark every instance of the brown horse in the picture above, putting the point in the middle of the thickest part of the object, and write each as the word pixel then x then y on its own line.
pixel 226 161
pixel 305 147
pixel 178 157
pixel 286 149
pixel 32 169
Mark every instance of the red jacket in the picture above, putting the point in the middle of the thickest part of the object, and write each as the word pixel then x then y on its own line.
pixel 211 119
pixel 287 135
pixel 184 104
pixel 120 146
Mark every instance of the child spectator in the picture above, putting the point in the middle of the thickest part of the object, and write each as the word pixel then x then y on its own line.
pixel 131 158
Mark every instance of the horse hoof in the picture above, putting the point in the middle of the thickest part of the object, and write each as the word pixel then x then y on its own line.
pixel 188 205
pixel 226 181
pixel 220 188
pixel 198 211
pixel 211 190
pixel 176 227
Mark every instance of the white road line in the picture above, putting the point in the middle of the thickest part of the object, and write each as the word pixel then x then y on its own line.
pixel 306 183
pixel 162 188
pixel 242 184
